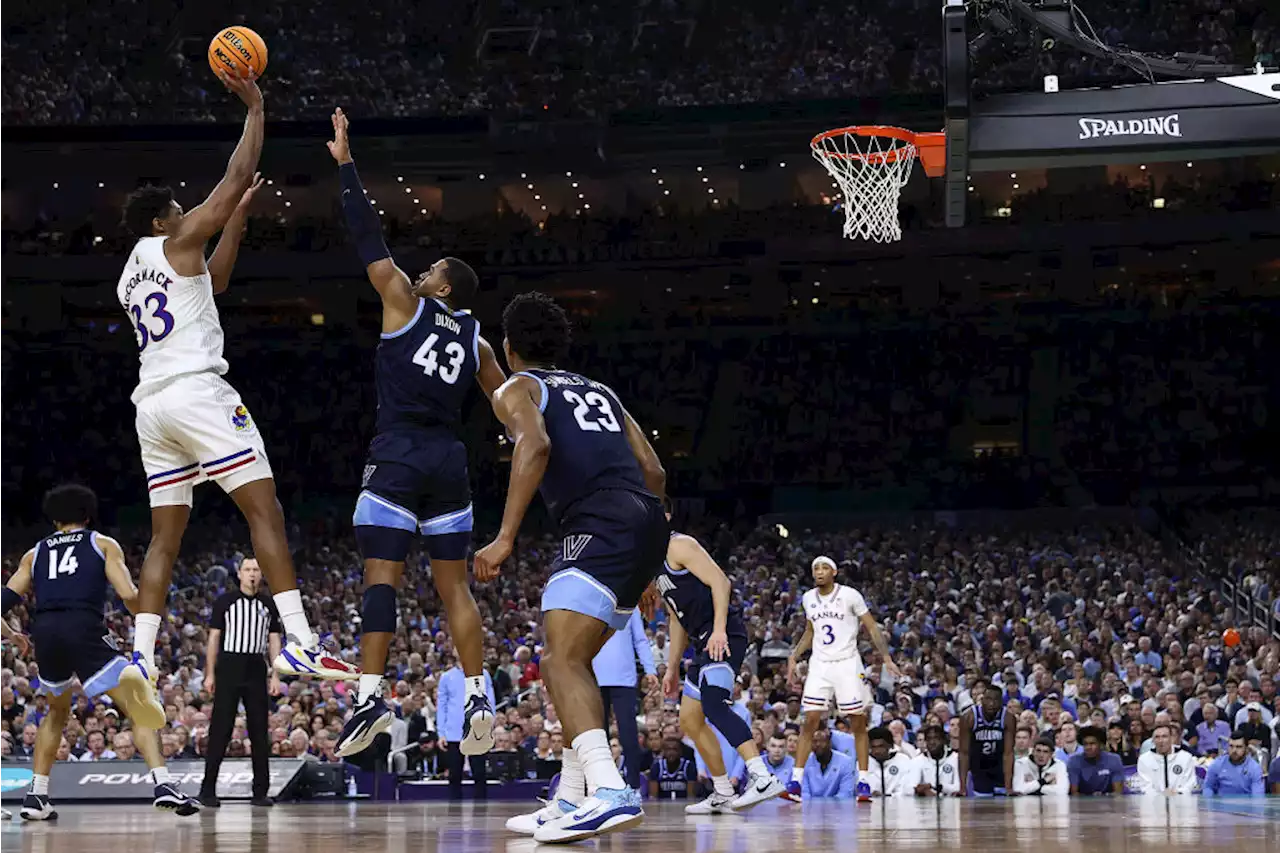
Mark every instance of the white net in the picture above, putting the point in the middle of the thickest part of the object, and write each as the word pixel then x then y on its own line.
pixel 871 171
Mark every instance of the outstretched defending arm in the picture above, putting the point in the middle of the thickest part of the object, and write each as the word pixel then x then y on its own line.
pixel 202 222
pixel 223 259
pixel 398 304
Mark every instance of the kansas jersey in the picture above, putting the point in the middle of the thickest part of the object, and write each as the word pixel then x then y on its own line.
pixel 174 317
pixel 68 572
pixel 691 601
pixel 835 619
pixel 424 370
pixel 589 449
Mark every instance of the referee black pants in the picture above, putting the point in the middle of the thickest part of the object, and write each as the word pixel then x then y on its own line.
pixel 479 773
pixel 622 702
pixel 239 678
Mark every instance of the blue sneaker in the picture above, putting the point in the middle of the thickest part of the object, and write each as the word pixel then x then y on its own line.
pixel 610 810
pixel 170 799
pixel 527 824
pixel 477 726
pixel 864 792
pixel 369 719
pixel 793 792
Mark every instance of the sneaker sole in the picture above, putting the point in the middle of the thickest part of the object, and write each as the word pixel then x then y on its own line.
pixel 618 824
pixel 38 816
pixel 181 809
pixel 481 739
pixel 282 666
pixel 360 744
pixel 140 699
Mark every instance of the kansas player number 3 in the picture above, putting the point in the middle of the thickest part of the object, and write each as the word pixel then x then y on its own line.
pixel 593 412
pixel 427 358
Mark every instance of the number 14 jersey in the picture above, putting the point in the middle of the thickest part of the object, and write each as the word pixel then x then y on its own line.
pixel 835 619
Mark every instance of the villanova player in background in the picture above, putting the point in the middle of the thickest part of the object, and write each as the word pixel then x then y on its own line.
pixel 415 479
pixel 192 425
pixel 69 571
pixel 602 484
pixel 696 592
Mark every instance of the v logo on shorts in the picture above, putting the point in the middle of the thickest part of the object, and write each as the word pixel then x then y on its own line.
pixel 575 545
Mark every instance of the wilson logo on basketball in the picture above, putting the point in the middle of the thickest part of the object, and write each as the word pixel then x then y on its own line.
pixel 235 41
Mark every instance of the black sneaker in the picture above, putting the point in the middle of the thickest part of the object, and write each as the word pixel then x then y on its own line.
pixel 477 726
pixel 38 807
pixel 210 801
pixel 369 719
pixel 263 802
pixel 170 799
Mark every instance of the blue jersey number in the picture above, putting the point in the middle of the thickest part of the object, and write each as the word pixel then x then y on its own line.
pixel 158 312
pixel 830 635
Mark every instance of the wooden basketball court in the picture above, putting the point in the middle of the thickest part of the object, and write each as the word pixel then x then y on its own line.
pixel 949 826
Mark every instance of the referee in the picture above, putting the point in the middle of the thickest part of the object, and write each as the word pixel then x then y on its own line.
pixel 244 628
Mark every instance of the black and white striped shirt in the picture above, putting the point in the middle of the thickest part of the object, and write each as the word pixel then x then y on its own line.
pixel 245 621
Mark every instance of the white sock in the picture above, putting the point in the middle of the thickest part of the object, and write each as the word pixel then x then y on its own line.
pixel 40 784
pixel 797 774
pixel 755 766
pixel 160 775
pixel 597 761
pixel 145 628
pixel 573 782
pixel 723 788
pixel 289 603
pixel 370 685
pixel 475 685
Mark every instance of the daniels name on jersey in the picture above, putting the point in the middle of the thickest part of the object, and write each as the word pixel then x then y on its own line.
pixel 835 619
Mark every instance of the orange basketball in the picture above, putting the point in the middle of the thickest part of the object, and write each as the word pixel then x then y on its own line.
pixel 238 51
pixel 1231 637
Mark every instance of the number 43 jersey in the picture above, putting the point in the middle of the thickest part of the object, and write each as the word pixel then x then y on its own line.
pixel 835 619
pixel 173 316
pixel 425 369
pixel 589 451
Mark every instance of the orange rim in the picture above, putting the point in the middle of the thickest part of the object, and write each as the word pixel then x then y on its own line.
pixel 929 147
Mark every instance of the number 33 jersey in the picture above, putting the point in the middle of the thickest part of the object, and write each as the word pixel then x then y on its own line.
pixel 174 317
pixel 589 450
pixel 835 619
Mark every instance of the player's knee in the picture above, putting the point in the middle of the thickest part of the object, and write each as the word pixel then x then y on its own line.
pixel 378 613
pixel 691 719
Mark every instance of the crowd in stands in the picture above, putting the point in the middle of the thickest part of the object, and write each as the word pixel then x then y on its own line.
pixel 136 61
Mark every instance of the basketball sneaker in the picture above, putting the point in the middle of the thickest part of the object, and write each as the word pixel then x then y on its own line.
pixel 759 788
pixel 370 718
pixel 864 792
pixel 715 804
pixel 477 726
pixel 527 824
pixel 38 807
pixel 608 810
pixel 792 792
pixel 170 799
pixel 316 661
pixel 138 682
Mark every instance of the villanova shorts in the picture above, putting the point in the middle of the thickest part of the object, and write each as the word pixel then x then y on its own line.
pixel 74 644
pixel 415 483
pixel 614 543
pixel 721 673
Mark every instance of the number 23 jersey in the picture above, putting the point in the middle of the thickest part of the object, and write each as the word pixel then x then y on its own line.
pixel 174 317
pixel 589 450
pixel 835 619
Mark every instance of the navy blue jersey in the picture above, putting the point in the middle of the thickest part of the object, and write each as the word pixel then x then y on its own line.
pixel 673 777
pixel 589 449
pixel 69 572
pixel 424 370
pixel 986 741
pixel 691 602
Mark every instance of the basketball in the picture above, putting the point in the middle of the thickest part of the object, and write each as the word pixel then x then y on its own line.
pixel 238 51
pixel 1231 637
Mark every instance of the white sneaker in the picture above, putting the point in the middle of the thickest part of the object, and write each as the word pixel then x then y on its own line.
pixel 527 824
pixel 609 810
pixel 316 661
pixel 759 789
pixel 717 803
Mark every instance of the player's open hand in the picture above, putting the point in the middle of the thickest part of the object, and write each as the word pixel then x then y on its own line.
pixel 490 558
pixel 247 198
pixel 718 645
pixel 245 88
pixel 340 147
pixel 670 683
pixel 649 600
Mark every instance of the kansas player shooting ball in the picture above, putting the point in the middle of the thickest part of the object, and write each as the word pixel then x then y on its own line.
pixel 68 571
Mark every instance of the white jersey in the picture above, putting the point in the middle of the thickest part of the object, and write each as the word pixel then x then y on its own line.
pixel 174 317
pixel 1030 778
pixel 835 619
pixel 940 774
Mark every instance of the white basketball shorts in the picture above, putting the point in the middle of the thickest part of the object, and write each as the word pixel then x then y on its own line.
pixel 196 429
pixel 842 680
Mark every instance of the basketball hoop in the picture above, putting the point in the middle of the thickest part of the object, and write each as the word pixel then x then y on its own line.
pixel 871 164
